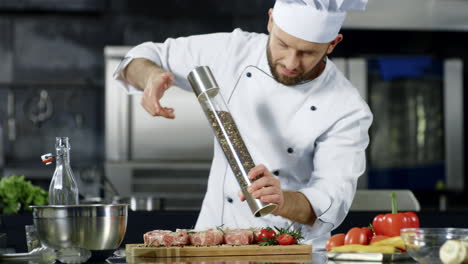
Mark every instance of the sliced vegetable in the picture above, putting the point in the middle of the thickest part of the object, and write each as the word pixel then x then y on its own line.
pixel 453 252
pixel 286 239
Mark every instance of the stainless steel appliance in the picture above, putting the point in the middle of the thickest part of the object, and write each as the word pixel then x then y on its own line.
pixel 156 157
pixel 411 15
pixel 417 134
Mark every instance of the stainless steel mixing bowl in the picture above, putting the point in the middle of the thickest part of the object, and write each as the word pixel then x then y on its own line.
pixel 93 227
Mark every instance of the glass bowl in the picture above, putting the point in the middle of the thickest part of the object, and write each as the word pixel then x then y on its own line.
pixel 423 244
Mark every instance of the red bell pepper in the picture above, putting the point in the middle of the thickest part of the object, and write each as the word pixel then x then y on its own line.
pixel 414 219
pixel 391 224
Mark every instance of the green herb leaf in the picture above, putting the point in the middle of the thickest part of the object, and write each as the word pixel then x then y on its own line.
pixel 297 234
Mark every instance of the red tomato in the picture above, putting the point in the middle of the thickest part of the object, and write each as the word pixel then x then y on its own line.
pixel 414 219
pixel 285 239
pixel 377 238
pixel 368 232
pixel 356 235
pixel 264 234
pixel 335 241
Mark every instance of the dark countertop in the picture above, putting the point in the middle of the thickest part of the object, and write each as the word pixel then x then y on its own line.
pixel 137 224
pixel 141 222
pixel 314 258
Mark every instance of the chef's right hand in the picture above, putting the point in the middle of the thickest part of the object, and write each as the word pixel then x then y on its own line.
pixel 156 84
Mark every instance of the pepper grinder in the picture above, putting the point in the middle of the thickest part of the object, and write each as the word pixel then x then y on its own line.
pixel 225 129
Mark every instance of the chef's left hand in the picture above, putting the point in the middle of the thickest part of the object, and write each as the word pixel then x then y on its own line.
pixel 266 187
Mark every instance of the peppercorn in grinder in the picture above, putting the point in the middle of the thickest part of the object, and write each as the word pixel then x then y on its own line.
pixel 213 104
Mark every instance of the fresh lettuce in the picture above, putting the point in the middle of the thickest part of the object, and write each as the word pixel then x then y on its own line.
pixel 17 194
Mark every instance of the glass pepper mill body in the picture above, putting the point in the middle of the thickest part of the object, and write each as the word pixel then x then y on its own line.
pixel 213 104
pixel 63 188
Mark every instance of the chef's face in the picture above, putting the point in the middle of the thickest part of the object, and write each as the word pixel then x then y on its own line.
pixel 293 60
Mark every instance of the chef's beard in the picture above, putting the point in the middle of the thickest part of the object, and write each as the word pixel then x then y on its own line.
pixel 286 80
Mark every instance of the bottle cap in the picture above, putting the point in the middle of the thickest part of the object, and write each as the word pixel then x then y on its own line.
pixel 47 158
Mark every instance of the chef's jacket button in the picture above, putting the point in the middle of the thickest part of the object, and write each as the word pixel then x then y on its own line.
pixel 276 172
pixel 290 150
pixel 313 108
pixel 229 199
pixel 249 74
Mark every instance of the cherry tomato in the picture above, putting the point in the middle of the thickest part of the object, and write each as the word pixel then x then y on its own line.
pixel 377 238
pixel 356 235
pixel 285 239
pixel 335 241
pixel 264 234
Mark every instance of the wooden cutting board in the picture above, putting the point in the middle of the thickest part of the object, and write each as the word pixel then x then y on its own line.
pixel 139 250
pixel 258 258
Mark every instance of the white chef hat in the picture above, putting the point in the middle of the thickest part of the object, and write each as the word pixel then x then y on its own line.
pixel 313 20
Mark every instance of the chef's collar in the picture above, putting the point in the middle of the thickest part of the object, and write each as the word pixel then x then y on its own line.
pixel 316 21
pixel 325 59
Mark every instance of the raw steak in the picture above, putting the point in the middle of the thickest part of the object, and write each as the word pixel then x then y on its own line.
pixel 166 238
pixel 210 237
pixel 238 236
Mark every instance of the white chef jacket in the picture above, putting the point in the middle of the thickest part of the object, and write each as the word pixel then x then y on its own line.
pixel 313 135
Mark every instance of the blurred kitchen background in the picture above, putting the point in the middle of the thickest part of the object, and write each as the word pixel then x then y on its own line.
pixel 408 59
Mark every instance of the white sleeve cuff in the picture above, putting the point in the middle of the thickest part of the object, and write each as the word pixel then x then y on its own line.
pixel 319 200
pixel 147 50
pixel 120 78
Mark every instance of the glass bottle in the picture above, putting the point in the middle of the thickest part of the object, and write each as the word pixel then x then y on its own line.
pixel 225 129
pixel 63 188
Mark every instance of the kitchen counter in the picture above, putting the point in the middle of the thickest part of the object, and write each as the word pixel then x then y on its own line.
pixel 315 258
pixel 140 222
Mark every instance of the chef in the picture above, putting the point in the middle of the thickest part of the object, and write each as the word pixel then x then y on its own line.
pixel 305 125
